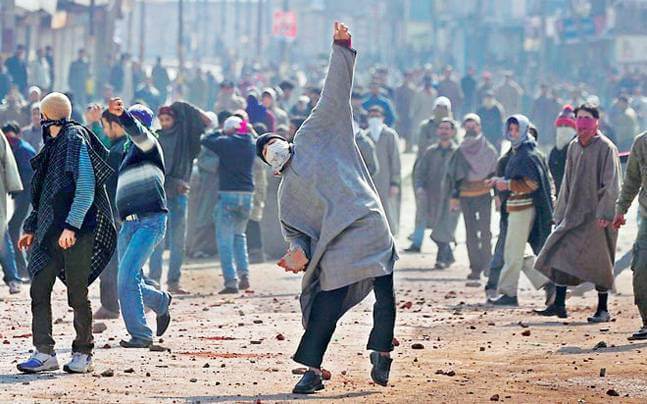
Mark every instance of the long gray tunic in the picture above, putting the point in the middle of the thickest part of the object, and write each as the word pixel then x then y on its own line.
pixel 328 204
pixel 389 174
pixel 577 247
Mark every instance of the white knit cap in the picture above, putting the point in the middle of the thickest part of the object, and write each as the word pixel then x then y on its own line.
pixel 233 122
pixel 442 102
pixel 56 106
pixel 472 117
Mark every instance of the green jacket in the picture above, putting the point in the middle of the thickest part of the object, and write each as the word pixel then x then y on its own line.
pixel 635 177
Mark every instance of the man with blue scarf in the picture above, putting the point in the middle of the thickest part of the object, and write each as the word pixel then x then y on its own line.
pixel 526 203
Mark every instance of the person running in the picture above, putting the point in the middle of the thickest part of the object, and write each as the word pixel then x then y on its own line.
pixel 332 217
pixel 70 230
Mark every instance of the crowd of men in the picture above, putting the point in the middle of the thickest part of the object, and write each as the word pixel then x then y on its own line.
pixel 112 175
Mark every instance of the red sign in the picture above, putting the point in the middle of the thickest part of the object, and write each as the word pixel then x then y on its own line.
pixel 284 24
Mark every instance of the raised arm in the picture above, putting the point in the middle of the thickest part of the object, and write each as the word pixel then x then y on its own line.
pixel 334 103
pixel 140 135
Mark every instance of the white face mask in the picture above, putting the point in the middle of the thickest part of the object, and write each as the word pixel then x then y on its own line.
pixel 278 154
pixel 564 135
pixel 375 126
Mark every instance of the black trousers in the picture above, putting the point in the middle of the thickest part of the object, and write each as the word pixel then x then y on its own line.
pixel 108 285
pixel 76 262
pixel 254 235
pixel 326 310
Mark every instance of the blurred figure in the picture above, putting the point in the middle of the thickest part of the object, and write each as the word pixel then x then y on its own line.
pixel 448 87
pixel 360 115
pixel 33 133
pixel 161 79
pixel 286 101
pixel 510 94
pixel 565 133
pixel 13 109
pixel 486 86
pixel 5 81
pixel 468 86
pixel 403 97
pixel 17 68
pixel 269 100
pixel 258 113
pixel 197 87
pixel 388 179
pixel 639 104
pixel 39 70
pixel 375 98
pixel 148 94
pixel 77 77
pixel 423 105
pixel 544 109
pixel 33 95
pixel 491 113
pixel 228 99
pixel 301 107
pixel 442 108
pixel 624 121
pixel 23 153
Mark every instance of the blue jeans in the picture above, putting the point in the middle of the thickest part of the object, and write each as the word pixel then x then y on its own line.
pixel 231 216
pixel 136 242
pixel 8 260
pixel 176 235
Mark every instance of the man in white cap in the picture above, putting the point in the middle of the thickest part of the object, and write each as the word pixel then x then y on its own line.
pixel 71 231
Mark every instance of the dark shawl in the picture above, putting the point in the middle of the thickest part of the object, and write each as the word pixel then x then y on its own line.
pixel 526 161
pixel 181 144
pixel 56 169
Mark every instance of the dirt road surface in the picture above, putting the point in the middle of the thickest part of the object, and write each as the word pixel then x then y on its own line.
pixel 237 349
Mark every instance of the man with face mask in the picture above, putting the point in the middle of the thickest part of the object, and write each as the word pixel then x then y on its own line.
pixel 469 168
pixel 388 178
pixel 236 151
pixel 564 134
pixel 70 231
pixel 525 192
pixel 332 217
pixel 582 246
pixel 432 194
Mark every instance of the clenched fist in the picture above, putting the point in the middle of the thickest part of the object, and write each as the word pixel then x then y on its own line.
pixel 341 32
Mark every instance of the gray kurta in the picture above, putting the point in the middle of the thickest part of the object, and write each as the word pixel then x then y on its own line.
pixel 328 204
pixel 389 174
pixel 577 247
pixel 9 180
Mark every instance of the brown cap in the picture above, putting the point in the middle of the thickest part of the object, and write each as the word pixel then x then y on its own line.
pixel 56 106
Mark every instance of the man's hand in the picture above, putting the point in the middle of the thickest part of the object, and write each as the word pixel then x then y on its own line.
pixel 116 106
pixel 454 204
pixel 603 223
pixel 341 32
pixel 619 221
pixel 294 261
pixel 502 185
pixel 394 191
pixel 67 239
pixel 26 240
pixel 93 113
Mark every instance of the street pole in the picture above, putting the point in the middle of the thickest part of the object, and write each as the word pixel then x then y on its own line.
pixel 180 35
pixel 259 28
pixel 142 30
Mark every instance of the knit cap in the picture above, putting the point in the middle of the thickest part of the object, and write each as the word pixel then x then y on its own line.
pixel 566 117
pixel 56 106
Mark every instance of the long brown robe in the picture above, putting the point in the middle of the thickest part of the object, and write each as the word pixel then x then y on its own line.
pixel 578 250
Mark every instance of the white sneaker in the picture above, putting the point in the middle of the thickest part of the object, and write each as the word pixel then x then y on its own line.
pixel 14 288
pixel 39 362
pixel 80 363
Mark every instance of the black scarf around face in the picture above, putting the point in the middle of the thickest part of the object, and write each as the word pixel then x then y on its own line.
pixel 56 170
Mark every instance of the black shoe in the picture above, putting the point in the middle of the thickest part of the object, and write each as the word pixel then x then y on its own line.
pixel 163 320
pixel 309 383
pixel 600 317
pixel 135 343
pixel 505 300
pixel 243 284
pixel 639 335
pixel 553 311
pixel 381 368
pixel 474 276
pixel 412 249
pixel 228 291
